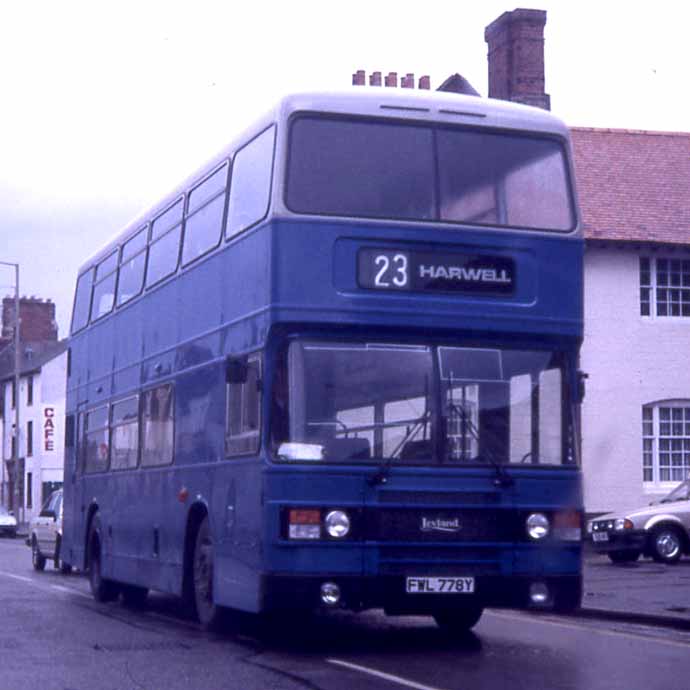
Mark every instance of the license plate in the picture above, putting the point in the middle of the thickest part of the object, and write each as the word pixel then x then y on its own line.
pixel 439 585
pixel 600 536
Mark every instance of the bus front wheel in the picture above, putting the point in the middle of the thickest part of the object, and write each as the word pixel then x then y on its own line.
pixel 102 589
pixel 207 611
pixel 459 621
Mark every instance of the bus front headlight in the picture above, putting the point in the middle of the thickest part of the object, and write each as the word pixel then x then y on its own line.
pixel 538 526
pixel 337 524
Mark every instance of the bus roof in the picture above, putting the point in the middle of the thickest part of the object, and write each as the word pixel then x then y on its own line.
pixel 417 105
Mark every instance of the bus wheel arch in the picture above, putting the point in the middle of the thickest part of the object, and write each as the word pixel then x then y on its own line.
pixel 199 568
pixel 197 513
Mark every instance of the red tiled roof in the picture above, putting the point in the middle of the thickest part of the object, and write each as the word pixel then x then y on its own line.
pixel 633 185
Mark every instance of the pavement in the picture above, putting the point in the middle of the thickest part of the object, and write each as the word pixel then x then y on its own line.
pixel 643 592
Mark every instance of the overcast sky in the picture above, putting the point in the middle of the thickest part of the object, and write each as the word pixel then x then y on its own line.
pixel 107 105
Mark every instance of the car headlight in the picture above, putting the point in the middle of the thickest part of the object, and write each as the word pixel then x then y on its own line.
pixel 622 524
pixel 337 524
pixel 538 526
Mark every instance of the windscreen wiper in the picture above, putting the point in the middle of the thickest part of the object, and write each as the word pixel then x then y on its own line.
pixel 503 478
pixel 381 476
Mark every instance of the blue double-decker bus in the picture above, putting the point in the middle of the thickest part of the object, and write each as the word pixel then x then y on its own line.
pixel 338 367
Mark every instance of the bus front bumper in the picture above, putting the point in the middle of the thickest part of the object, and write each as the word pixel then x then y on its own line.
pixel 289 592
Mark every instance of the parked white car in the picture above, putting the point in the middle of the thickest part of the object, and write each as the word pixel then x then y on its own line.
pixel 46 533
pixel 660 530
pixel 8 523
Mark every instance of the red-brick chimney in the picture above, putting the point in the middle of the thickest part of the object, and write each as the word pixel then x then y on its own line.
pixel 36 320
pixel 516 57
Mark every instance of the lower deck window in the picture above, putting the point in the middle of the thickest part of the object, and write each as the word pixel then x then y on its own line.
pixel 157 422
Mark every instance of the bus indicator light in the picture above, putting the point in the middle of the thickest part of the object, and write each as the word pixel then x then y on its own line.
pixel 183 494
pixel 304 523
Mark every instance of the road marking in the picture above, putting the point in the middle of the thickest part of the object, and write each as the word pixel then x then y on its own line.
pixel 19 577
pixel 602 631
pixel 69 590
pixel 42 585
pixel 380 674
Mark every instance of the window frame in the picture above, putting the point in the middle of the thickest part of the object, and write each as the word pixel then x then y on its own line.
pixel 226 234
pixel 247 442
pixel 154 239
pixel 650 287
pixel 113 426
pixel 142 428
pixel 434 127
pixel 207 201
pixel 100 280
pixel 86 468
pixel 652 439
pixel 143 230
pixel 91 270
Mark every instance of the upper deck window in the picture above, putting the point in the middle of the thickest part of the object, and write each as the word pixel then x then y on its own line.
pixel 386 169
pixel 164 251
pixel 132 266
pixel 250 190
pixel 82 301
pixel 104 289
pixel 205 215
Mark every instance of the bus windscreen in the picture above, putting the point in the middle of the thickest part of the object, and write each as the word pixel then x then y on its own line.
pixel 386 169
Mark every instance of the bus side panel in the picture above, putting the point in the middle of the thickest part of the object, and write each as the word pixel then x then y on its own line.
pixel 236 517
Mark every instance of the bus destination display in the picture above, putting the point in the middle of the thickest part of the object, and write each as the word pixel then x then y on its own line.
pixel 390 269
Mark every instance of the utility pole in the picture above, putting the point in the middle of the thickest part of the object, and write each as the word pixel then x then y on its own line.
pixel 17 364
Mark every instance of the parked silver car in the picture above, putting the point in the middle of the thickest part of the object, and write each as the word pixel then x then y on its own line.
pixel 8 523
pixel 661 530
pixel 46 533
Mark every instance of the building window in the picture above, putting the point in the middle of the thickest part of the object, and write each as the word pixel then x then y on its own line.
pixel 664 287
pixel 29 439
pixel 666 442
pixel 29 490
pixel 30 391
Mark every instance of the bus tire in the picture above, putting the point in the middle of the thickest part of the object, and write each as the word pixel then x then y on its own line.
pixel 208 613
pixel 103 590
pixel 459 621
pixel 38 560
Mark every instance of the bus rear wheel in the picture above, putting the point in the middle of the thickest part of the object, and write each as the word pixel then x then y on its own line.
pixel 208 612
pixel 459 621
pixel 102 589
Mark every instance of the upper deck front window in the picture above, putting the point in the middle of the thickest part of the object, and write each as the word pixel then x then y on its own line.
pixel 388 169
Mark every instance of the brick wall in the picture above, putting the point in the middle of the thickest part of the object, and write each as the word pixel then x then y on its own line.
pixel 516 58
pixel 37 320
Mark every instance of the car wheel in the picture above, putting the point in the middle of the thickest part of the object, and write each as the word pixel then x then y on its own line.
pixel 102 589
pixel 38 560
pixel 667 544
pixel 208 612
pixel 624 556
pixel 459 621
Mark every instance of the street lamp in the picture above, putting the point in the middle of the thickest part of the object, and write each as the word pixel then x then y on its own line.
pixel 15 454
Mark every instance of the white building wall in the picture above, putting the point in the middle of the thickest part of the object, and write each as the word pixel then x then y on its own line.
pixel 631 361
pixel 47 413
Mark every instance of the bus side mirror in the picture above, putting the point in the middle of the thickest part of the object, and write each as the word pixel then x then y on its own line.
pixel 581 386
pixel 236 370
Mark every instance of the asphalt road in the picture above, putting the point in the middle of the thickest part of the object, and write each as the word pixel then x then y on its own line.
pixel 53 636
